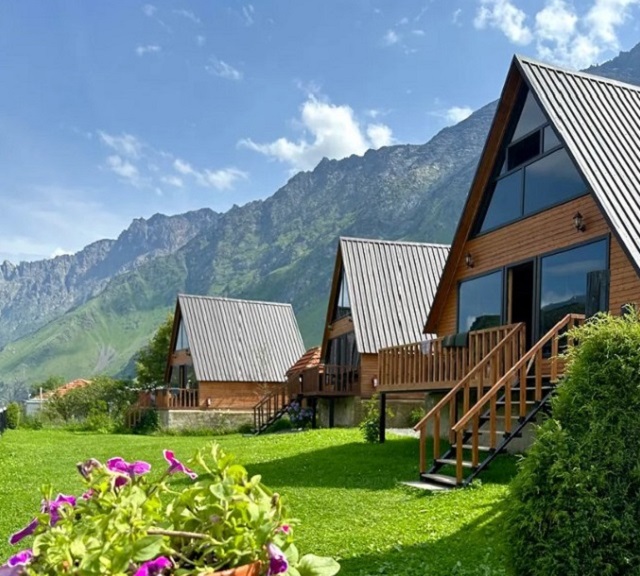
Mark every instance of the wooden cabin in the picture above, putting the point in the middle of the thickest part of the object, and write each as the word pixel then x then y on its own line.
pixel 380 295
pixel 226 354
pixel 549 234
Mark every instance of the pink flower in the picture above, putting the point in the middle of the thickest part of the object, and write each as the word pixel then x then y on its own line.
pixel 131 469
pixel 153 567
pixel 176 466
pixel 53 507
pixel 26 531
pixel 286 529
pixel 15 565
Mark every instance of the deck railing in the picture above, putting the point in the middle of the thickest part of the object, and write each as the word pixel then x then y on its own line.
pixel 517 375
pixel 177 398
pixel 491 367
pixel 433 364
pixel 331 380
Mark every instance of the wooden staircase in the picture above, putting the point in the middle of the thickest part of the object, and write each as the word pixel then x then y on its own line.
pixel 272 407
pixel 508 388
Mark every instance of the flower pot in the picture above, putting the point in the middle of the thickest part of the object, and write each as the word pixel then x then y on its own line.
pixel 252 569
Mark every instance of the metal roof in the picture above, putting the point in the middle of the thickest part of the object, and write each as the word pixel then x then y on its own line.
pixel 391 286
pixel 240 340
pixel 599 121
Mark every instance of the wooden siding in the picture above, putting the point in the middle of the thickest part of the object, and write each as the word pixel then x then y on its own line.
pixel 338 328
pixel 181 358
pixel 368 371
pixel 539 234
pixel 233 395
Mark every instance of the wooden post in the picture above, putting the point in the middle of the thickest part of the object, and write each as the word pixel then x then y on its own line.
pixel 383 417
pixel 314 413
pixel 423 449
pixel 332 410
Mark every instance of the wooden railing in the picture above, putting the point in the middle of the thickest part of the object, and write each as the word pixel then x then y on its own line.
pixel 273 403
pixel 331 380
pixel 432 365
pixel 517 373
pixel 491 367
pixel 177 398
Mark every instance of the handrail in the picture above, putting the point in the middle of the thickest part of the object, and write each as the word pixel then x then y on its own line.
pixel 270 404
pixel 516 335
pixel 532 358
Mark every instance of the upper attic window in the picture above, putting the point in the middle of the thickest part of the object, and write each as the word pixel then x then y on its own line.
pixel 531 118
pixel 343 304
pixel 182 342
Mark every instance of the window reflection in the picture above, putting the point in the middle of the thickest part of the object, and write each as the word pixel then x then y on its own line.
pixel 563 288
pixel 343 304
pixel 182 343
pixel 480 302
pixel 506 202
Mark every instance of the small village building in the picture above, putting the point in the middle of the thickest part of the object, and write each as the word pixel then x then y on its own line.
pixel 381 293
pixel 34 405
pixel 549 235
pixel 225 356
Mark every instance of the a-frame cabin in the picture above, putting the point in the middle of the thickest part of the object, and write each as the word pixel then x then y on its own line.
pixel 380 294
pixel 549 234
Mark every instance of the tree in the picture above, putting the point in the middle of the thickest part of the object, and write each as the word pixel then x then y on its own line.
pixel 51 383
pixel 574 506
pixel 151 360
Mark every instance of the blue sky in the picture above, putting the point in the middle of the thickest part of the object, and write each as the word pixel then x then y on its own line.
pixel 111 111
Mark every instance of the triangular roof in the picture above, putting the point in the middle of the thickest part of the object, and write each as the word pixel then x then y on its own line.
pixel 391 286
pixel 66 388
pixel 310 359
pixel 238 340
pixel 598 121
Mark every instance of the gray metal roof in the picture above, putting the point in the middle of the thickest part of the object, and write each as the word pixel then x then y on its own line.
pixel 240 340
pixel 391 286
pixel 599 121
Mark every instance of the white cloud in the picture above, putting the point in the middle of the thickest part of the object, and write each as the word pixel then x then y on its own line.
pixel 403 21
pixel 200 40
pixel 457 114
pixel 248 13
pixel 125 144
pixel 123 168
pixel 224 70
pixel 223 179
pixel 505 16
pixel 188 15
pixel 148 49
pixel 418 32
pixel 149 10
pixel 455 18
pixel 563 34
pixel 328 131
pixel 172 181
pixel 390 38
pixel 60 252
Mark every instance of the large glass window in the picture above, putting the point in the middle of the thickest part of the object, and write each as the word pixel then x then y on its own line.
pixel 506 202
pixel 531 118
pixel 563 283
pixel 343 304
pixel 480 302
pixel 343 351
pixel 551 180
pixel 182 342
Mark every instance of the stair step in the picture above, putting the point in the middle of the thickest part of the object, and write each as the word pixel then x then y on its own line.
pixel 452 462
pixel 480 448
pixel 440 479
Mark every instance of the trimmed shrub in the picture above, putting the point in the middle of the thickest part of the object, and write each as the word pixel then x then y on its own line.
pixel 574 507
pixel 370 424
pixel 14 415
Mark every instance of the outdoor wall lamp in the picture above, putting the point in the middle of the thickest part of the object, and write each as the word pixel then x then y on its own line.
pixel 468 259
pixel 578 222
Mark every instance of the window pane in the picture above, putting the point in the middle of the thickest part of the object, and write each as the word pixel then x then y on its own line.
pixel 530 118
pixel 506 202
pixel 343 305
pixel 564 282
pixel 551 139
pixel 480 302
pixel 182 343
pixel 524 150
pixel 550 180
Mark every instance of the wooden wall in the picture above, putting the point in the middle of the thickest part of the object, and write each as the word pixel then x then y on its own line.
pixel 233 395
pixel 545 232
pixel 368 371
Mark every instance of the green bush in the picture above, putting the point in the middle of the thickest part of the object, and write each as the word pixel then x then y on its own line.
pixel 574 507
pixel 416 415
pixel 148 423
pixel 32 422
pixel 370 424
pixel 14 415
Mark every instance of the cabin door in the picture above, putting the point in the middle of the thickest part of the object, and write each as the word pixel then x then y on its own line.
pixel 520 296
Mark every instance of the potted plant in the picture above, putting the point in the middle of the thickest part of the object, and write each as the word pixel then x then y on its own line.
pixel 217 521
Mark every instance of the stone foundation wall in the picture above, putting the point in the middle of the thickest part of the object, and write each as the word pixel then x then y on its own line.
pixel 218 419
pixel 348 412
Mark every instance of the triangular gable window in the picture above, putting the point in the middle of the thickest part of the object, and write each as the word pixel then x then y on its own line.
pixel 343 303
pixel 536 172
pixel 182 342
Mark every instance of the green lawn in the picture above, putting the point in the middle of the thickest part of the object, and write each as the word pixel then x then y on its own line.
pixel 346 494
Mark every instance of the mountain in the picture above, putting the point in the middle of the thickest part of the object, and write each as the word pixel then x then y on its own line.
pixel 281 248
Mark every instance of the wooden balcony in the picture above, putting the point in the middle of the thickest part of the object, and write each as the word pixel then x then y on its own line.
pixel 170 399
pixel 441 363
pixel 328 380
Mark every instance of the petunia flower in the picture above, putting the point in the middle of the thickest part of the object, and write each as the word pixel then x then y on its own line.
pixel 285 528
pixel 277 560
pixel 87 467
pixel 15 565
pixel 153 567
pixel 131 469
pixel 53 507
pixel 176 466
pixel 26 531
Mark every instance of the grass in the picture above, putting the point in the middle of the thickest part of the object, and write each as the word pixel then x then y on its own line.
pixel 346 494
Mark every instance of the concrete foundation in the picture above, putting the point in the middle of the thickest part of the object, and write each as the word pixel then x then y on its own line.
pixel 348 412
pixel 215 419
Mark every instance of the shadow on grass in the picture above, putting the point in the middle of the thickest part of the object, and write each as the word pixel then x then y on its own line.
pixel 360 465
pixel 477 549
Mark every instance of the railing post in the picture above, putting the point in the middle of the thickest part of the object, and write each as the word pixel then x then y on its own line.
pixel 423 449
pixel 383 417
pixel 459 455
pixel 436 435
pixel 492 422
pixel 538 369
pixel 523 391
pixel 476 440
pixel 507 405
